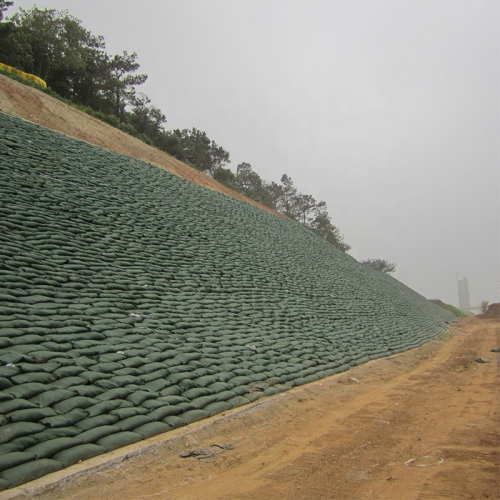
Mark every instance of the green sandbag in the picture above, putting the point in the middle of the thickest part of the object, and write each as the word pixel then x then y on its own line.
pixel 254 396
pixel 156 385
pixel 173 421
pixel 226 377
pixel 30 415
pixel 241 380
pixel 131 423
pixel 241 390
pixel 152 429
pixel 197 392
pixel 5 383
pixel 15 458
pixel 219 387
pixel 206 380
pixel 18 429
pixel 119 439
pixel 49 448
pixel 76 454
pixel 93 435
pixel 175 378
pixel 68 371
pixel 201 402
pixel 118 393
pixel 15 405
pixel 67 419
pixel 27 391
pixel 217 407
pixel 52 397
pixel 103 407
pixel 164 411
pixel 80 402
pixel 270 391
pixel 30 471
pixel 97 421
pixel 173 390
pixel 225 395
pixel 123 413
pixel 4 484
pixel 138 397
pixel 194 415
pixel 173 400
pixel 54 433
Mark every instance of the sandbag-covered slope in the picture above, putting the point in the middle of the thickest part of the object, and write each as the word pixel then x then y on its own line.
pixel 134 302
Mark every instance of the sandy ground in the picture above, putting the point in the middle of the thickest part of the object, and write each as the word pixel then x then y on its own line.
pixel 346 437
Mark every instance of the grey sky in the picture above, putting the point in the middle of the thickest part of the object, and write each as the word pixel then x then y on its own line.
pixel 389 110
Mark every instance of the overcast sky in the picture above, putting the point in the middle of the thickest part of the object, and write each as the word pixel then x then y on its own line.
pixel 389 110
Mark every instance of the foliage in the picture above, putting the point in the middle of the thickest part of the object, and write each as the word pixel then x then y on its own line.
pixel 454 310
pixel 225 176
pixel 147 118
pixel 56 47
pixel 484 306
pixel 4 5
pixel 121 81
pixel 195 148
pixel 249 183
pixel 380 265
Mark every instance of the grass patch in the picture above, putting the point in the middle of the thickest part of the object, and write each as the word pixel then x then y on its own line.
pixel 454 310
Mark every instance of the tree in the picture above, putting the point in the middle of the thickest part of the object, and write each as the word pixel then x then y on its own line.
pixel 171 143
pixel 199 151
pixel 55 43
pixel 86 86
pixel 4 5
pixel 121 81
pixel 146 118
pixel 322 225
pixel 306 207
pixel 484 306
pixel 286 197
pixel 226 177
pixel 380 265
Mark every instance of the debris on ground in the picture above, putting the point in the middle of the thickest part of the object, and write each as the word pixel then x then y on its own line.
pixel 350 380
pixel 424 461
pixel 208 454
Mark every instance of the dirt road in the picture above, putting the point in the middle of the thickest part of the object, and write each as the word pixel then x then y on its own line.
pixel 347 437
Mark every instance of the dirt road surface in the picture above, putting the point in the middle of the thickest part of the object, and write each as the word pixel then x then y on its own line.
pixel 346 437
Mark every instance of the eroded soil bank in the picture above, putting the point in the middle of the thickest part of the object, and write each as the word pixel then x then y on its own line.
pixel 346 437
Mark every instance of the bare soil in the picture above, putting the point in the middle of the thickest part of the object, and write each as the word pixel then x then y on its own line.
pixel 346 437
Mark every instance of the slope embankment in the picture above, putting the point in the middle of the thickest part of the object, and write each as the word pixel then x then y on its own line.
pixel 134 302
pixel 347 437
pixel 30 104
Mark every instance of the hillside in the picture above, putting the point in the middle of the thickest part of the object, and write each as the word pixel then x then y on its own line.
pixel 35 106
pixel 134 302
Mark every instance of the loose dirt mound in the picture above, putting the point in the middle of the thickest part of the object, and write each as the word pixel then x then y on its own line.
pixel 493 312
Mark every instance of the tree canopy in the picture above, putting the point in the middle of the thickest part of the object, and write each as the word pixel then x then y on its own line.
pixel 380 265
pixel 4 5
pixel 56 47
